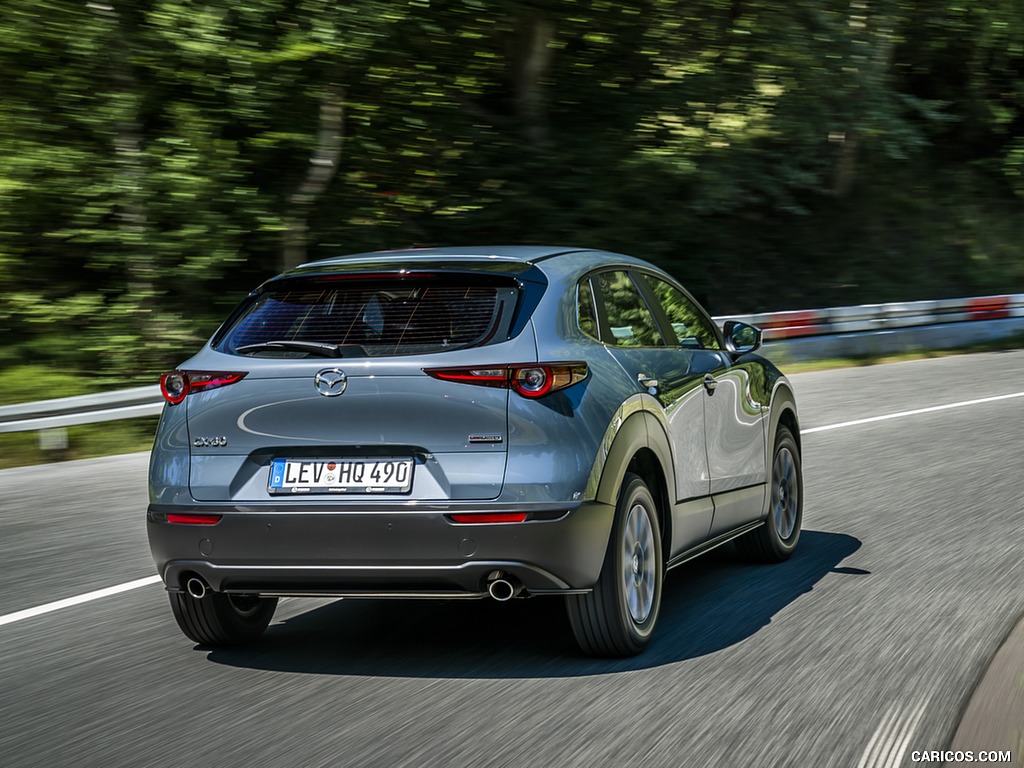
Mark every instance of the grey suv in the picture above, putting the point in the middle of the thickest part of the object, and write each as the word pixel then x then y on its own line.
pixel 463 423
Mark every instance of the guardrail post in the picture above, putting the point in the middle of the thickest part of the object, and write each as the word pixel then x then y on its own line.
pixel 53 439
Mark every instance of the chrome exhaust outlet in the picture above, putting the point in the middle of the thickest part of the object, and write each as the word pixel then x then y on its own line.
pixel 196 587
pixel 504 590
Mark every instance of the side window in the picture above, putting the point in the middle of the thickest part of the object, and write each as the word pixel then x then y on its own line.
pixel 585 314
pixel 631 322
pixel 692 328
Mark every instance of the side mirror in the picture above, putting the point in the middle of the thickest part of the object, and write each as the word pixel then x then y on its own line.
pixel 741 338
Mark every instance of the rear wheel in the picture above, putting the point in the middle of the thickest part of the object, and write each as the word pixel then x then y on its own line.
pixel 775 541
pixel 220 619
pixel 618 617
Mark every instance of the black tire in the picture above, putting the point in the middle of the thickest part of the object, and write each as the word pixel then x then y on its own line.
pixel 775 541
pixel 618 617
pixel 220 619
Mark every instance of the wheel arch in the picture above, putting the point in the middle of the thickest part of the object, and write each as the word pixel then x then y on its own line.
pixel 640 446
pixel 783 411
pixel 647 465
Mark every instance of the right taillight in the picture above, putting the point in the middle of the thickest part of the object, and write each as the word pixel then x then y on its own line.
pixel 527 379
pixel 175 386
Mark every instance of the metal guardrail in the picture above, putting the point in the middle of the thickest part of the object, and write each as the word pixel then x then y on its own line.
pixel 84 409
pixel 779 327
pixel 884 317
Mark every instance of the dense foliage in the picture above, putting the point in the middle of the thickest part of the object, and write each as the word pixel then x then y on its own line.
pixel 160 157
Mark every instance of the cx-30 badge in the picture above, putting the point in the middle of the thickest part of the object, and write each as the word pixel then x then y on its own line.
pixel 330 382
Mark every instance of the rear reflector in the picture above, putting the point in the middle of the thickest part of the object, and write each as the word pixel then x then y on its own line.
pixel 178 519
pixel 488 517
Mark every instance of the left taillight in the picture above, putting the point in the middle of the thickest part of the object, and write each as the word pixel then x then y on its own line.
pixel 527 379
pixel 177 385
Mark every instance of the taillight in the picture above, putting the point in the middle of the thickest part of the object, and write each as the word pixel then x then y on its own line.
pixel 174 386
pixel 533 382
pixel 177 385
pixel 527 379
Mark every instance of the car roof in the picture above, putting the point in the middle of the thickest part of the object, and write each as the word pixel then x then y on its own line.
pixel 521 253
pixel 555 262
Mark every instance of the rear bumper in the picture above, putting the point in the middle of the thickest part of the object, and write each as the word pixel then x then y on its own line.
pixel 379 551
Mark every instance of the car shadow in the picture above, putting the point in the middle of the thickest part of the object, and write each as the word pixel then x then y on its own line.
pixel 708 604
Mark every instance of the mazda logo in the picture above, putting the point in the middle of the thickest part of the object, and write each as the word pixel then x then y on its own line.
pixel 330 382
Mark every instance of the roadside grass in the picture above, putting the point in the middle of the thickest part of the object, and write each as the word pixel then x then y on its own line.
pixel 998 345
pixel 28 383
pixel 87 441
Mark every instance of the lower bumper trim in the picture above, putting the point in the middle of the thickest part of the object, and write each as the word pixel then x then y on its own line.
pixel 434 581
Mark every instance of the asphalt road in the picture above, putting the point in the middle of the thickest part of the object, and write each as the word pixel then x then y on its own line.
pixel 863 648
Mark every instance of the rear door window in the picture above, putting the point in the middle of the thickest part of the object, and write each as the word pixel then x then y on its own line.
pixel 372 317
pixel 629 320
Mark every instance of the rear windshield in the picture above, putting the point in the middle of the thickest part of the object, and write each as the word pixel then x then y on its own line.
pixel 372 318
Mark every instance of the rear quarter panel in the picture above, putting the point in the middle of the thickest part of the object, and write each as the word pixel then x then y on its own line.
pixel 169 461
pixel 554 441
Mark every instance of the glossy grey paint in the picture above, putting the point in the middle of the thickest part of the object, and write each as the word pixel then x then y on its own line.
pixel 680 397
pixel 169 462
pixel 563 455
pixel 735 424
pixel 389 407
pixel 716 436
pixel 553 441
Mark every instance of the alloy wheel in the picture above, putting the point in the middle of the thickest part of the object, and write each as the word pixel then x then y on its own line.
pixel 785 493
pixel 639 561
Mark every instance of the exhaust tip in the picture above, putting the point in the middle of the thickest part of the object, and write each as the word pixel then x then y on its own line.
pixel 503 590
pixel 196 587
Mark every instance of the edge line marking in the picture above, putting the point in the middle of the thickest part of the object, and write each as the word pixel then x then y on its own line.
pixel 67 602
pixel 127 586
pixel 914 412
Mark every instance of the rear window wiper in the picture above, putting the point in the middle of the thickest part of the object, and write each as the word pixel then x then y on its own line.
pixel 320 348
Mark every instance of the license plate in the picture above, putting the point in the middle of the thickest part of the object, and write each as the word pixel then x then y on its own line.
pixel 341 475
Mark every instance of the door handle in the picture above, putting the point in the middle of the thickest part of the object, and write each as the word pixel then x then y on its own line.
pixel 710 383
pixel 648 382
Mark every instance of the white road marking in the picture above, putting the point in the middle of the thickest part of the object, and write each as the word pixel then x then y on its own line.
pixel 915 412
pixel 889 743
pixel 906 734
pixel 67 602
pixel 879 738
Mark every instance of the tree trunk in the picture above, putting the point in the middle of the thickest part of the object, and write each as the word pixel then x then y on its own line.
pixel 130 181
pixel 872 38
pixel 323 167
pixel 531 106
pixel 127 146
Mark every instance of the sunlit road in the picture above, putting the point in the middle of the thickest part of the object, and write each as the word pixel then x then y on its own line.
pixel 910 572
